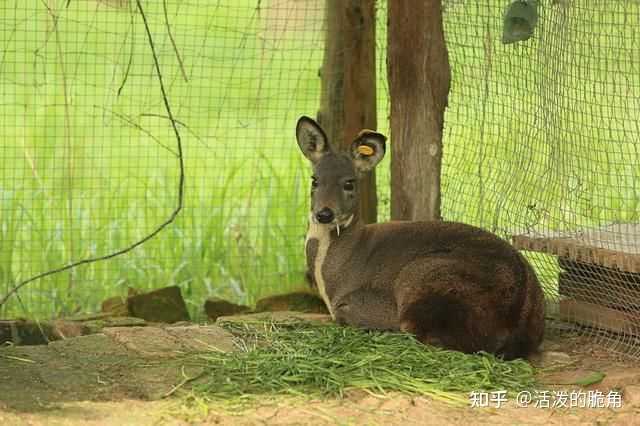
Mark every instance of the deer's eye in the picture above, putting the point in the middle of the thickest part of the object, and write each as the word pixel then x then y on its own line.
pixel 348 186
pixel 314 182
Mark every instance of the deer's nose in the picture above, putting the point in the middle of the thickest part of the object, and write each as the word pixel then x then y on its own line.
pixel 325 215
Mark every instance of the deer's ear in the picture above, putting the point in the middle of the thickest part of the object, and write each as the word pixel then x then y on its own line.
pixel 311 139
pixel 367 150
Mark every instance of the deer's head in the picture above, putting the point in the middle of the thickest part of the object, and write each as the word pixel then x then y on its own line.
pixel 335 179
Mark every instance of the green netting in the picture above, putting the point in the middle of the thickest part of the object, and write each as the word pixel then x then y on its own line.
pixel 89 159
pixel 541 142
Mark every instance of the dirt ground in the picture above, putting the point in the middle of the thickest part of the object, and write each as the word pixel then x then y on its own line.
pixel 122 377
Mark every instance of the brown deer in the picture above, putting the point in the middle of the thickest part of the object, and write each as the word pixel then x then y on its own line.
pixel 450 284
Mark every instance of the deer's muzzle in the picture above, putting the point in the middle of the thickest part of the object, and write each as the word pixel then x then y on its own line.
pixel 325 216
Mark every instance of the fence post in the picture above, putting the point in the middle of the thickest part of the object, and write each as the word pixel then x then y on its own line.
pixel 348 97
pixel 419 79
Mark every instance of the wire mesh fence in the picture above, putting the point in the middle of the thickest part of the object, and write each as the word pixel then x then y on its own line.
pixel 91 163
pixel 541 143
pixel 542 146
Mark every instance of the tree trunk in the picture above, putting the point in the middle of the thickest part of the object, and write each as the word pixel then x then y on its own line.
pixel 348 99
pixel 419 79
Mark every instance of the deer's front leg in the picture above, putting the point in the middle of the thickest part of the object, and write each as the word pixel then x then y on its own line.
pixel 367 308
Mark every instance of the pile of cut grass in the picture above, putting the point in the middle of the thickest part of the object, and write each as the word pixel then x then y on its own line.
pixel 313 360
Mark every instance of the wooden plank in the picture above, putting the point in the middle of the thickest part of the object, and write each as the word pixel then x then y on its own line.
pixel 611 294
pixel 599 272
pixel 622 237
pixel 596 316
pixel 614 246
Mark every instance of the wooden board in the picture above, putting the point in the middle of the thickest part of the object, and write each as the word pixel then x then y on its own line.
pixel 597 316
pixel 612 294
pixel 600 272
pixel 614 246
pixel 607 289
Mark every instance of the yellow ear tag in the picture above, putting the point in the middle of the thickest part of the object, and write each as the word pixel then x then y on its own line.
pixel 365 150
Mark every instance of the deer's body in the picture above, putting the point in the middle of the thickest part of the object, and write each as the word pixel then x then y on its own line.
pixel 450 284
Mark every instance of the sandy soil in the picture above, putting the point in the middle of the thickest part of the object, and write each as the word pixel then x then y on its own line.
pixel 118 388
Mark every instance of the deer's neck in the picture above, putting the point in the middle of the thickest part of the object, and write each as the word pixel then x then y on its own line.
pixel 319 239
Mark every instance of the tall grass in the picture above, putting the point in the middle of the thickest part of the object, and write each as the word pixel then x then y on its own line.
pixel 89 171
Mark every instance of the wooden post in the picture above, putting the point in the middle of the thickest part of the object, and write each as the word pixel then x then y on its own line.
pixel 348 98
pixel 419 78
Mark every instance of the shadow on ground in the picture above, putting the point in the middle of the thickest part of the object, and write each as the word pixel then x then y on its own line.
pixel 119 363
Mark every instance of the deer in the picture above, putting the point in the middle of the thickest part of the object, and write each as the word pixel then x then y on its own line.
pixel 450 284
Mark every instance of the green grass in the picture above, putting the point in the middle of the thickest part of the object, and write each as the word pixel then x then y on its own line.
pixel 88 170
pixel 306 359
pixel 89 175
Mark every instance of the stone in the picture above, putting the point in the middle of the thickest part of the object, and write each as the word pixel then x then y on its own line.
pixel 261 317
pixel 88 317
pixel 297 301
pixel 550 358
pixel 23 332
pixel 148 342
pixel 116 306
pixel 162 305
pixel 198 338
pixel 215 307
pixel 62 329
pixel 171 342
pixel 96 326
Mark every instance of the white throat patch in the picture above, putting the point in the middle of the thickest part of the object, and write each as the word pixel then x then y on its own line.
pixel 322 233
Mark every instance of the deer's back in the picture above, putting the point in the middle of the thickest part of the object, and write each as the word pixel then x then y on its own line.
pixel 381 252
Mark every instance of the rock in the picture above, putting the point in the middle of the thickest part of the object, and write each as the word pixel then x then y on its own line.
pixel 96 326
pixel 298 301
pixel 261 317
pixel 215 307
pixel 22 332
pixel 88 317
pixel 123 322
pixel 116 306
pixel 162 305
pixel 149 342
pixel 198 338
pixel 62 329
pixel 550 359
pixel 169 342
